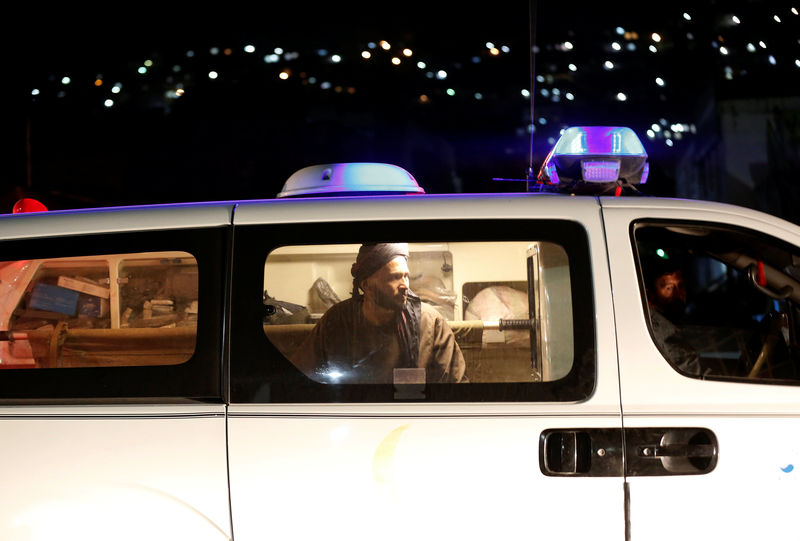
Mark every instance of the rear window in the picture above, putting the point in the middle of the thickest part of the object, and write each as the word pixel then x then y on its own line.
pixel 110 310
pixel 113 317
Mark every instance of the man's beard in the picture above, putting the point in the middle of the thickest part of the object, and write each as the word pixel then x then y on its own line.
pixel 389 302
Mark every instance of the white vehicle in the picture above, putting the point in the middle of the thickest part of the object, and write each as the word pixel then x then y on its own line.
pixel 149 391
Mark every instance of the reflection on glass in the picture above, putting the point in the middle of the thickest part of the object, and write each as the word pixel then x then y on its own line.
pixel 112 310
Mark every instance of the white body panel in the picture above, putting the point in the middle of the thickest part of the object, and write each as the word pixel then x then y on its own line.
pixel 748 495
pixel 122 472
pixel 336 473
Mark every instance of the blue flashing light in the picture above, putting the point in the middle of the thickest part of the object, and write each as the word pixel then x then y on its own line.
pixel 596 155
pixel 645 172
pixel 552 173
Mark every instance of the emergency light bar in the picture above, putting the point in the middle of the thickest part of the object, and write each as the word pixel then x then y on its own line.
pixel 596 155
pixel 358 178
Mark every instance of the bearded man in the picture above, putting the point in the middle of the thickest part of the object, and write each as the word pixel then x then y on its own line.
pixel 383 333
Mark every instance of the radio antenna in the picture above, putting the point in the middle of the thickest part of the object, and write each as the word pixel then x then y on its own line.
pixel 532 23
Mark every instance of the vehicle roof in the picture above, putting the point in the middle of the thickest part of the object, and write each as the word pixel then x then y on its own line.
pixel 345 208
pixel 115 219
pixel 713 208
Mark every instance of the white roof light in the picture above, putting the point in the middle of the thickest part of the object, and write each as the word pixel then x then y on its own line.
pixel 358 178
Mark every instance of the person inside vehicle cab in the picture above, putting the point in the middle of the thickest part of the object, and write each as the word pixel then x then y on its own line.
pixel 384 333
pixel 666 300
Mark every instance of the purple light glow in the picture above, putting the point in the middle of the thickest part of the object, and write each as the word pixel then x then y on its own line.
pixel 620 141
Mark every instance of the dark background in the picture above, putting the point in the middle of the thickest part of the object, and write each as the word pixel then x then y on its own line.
pixel 241 135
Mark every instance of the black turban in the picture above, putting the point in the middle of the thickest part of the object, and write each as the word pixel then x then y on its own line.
pixel 373 256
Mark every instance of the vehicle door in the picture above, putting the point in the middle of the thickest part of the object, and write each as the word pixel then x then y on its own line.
pixel 112 413
pixel 527 446
pixel 709 387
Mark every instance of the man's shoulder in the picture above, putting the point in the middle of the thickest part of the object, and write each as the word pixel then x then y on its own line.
pixel 342 308
pixel 430 312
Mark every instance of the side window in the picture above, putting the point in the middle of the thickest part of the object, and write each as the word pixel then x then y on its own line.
pixel 110 310
pixel 428 319
pixel 109 317
pixel 722 302
pixel 475 323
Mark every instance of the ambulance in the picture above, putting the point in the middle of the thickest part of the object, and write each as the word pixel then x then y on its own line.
pixel 148 388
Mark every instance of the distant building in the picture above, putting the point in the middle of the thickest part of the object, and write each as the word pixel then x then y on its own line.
pixel 748 154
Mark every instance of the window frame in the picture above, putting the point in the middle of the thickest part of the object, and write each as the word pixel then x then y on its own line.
pixel 770 241
pixel 260 374
pixel 200 378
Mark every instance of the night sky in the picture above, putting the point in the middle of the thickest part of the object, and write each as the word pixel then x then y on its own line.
pixel 242 134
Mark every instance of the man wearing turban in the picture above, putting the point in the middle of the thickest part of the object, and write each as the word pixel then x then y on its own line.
pixel 383 333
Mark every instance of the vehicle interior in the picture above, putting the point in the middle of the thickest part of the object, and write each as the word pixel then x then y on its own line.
pixel 115 310
pixel 481 289
pixel 742 293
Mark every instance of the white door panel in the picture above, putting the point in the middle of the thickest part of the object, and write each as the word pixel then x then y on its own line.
pixel 99 473
pixel 749 492
pixel 402 477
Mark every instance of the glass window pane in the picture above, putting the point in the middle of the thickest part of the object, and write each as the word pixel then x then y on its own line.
pixel 109 310
pixel 722 303
pixel 488 312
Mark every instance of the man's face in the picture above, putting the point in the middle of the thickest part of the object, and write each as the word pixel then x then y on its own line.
pixel 388 286
pixel 670 291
